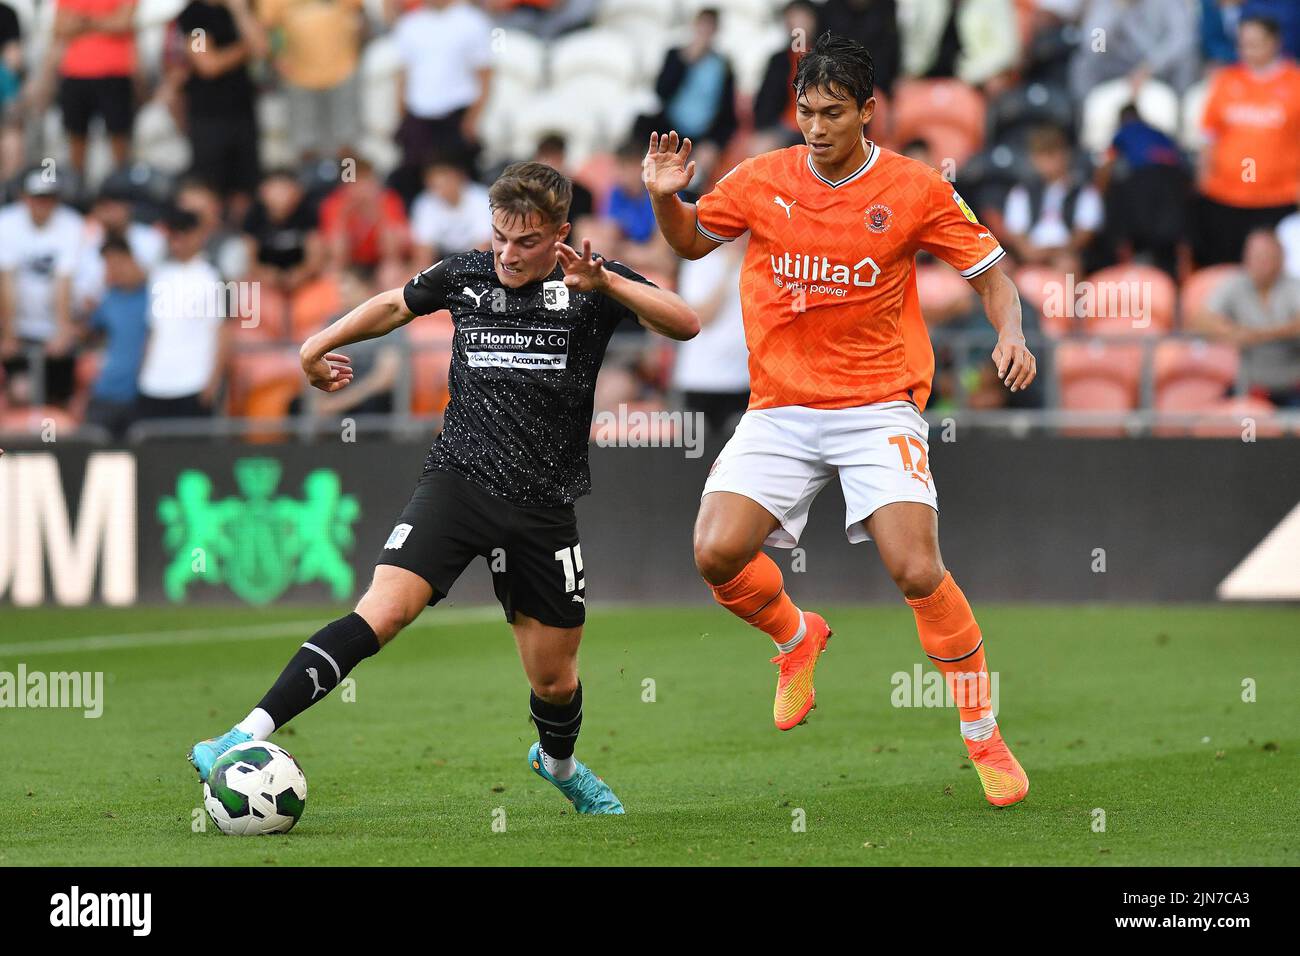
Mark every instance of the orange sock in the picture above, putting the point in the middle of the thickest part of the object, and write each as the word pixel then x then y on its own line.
pixel 951 638
pixel 757 595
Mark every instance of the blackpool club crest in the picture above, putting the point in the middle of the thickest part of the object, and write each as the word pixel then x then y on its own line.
pixel 878 217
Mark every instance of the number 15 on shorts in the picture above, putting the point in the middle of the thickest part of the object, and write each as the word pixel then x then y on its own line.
pixel 571 560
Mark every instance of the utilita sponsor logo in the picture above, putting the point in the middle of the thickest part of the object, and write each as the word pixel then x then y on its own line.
pixel 797 270
pixel 133 910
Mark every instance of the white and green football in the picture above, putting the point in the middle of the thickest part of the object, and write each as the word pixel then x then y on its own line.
pixel 255 788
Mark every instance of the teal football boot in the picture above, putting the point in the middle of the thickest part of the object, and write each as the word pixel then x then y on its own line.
pixel 587 792
pixel 205 753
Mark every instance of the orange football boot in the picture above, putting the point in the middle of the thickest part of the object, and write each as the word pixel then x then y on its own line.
pixel 795 694
pixel 1005 781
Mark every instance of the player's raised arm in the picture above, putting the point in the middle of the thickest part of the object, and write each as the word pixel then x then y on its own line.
pixel 657 309
pixel 667 169
pixel 1017 366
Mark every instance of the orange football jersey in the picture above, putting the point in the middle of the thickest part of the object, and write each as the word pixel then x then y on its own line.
pixel 828 286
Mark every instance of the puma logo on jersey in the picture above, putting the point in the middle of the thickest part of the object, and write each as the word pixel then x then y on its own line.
pixel 579 599
pixel 985 235
pixel 477 297
pixel 784 205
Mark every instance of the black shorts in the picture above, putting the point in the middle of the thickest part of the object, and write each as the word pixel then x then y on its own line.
pixel 224 152
pixel 533 553
pixel 82 98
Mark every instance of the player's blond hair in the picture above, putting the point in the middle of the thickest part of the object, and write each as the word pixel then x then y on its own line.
pixel 527 190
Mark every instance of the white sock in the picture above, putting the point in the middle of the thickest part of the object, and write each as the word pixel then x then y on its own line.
pixel 559 769
pixel 981 729
pixel 791 644
pixel 258 723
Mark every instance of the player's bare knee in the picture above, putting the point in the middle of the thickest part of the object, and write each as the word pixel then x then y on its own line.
pixel 918 577
pixel 386 617
pixel 558 689
pixel 718 560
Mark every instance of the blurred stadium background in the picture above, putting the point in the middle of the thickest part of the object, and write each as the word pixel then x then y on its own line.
pixel 1138 159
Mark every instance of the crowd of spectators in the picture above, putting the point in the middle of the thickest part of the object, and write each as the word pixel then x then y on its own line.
pixel 106 309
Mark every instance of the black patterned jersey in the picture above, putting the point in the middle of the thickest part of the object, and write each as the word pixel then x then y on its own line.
pixel 523 376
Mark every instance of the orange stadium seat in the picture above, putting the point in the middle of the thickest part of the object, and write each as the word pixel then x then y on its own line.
pixel 431 337
pixel 1230 415
pixel 312 306
pixel 1191 376
pixel 1039 283
pixel 1126 291
pixel 262 385
pixel 1093 376
pixel 1198 287
pixel 949 114
pixel 942 292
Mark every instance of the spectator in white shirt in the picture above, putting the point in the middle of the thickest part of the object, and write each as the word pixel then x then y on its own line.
pixel 451 215
pixel 445 47
pixel 40 240
pixel 712 369
pixel 186 356
pixel 1052 220
pixel 110 217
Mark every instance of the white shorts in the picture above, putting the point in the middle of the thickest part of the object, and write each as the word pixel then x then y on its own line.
pixel 782 457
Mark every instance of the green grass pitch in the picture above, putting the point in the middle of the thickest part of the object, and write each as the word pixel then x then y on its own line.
pixel 1134 711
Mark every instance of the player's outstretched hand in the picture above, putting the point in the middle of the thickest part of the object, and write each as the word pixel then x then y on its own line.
pixel 667 167
pixel 1017 366
pixel 330 372
pixel 582 273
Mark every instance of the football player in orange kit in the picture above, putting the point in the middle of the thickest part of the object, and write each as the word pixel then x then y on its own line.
pixel 840 369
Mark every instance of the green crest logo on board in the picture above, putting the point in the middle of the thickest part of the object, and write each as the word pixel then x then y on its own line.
pixel 261 544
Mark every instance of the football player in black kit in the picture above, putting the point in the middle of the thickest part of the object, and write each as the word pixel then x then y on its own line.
pixel 532 320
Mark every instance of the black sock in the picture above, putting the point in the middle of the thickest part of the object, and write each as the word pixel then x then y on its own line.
pixel 319 666
pixel 557 724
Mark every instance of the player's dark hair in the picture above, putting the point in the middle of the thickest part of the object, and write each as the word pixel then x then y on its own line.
pixel 839 67
pixel 528 189
pixel 1264 22
pixel 115 244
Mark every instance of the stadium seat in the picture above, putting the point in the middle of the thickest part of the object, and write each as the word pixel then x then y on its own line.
pixel 947 113
pixel 1156 101
pixel 430 338
pixel 749 46
pixel 1192 376
pixel 942 292
pixel 599 53
pixel 1197 288
pixel 553 111
pixel 1128 292
pixel 1044 288
pixel 33 419
pixel 312 306
pixel 1230 415
pixel 1097 377
pixel 520 58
